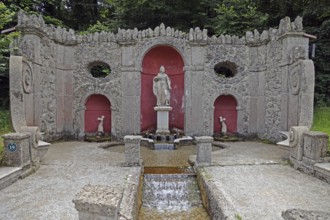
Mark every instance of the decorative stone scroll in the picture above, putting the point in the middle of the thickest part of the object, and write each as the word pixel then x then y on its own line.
pixel 295 73
pixel 27 78
pixel 296 141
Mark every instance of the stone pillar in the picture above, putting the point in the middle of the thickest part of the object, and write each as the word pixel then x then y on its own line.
pixel 34 139
pixel 132 149
pixel 204 150
pixel 163 119
pixel 16 152
pixel 98 202
pixel 315 146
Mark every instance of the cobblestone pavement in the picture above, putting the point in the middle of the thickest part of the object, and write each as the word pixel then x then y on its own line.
pixel 67 167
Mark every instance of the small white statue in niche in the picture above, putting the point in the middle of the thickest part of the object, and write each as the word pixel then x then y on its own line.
pixel 100 127
pixel 223 126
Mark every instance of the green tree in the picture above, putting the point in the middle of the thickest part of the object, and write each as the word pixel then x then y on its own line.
pixel 235 17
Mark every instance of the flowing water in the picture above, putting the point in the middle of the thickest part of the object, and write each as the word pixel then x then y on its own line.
pixel 170 189
pixel 171 196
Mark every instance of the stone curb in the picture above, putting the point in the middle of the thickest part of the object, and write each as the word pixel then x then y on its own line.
pixel 216 201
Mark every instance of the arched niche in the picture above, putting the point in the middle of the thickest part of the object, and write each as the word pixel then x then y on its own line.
pixel 170 58
pixel 97 105
pixel 226 107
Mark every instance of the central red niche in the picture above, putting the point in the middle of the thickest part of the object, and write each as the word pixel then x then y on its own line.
pixel 96 106
pixel 172 61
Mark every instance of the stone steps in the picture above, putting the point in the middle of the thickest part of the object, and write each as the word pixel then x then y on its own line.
pixel 9 175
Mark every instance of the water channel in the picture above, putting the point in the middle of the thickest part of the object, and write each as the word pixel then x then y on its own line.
pixel 170 189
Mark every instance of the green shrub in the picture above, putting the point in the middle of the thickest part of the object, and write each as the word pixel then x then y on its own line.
pixel 5 127
pixel 321 121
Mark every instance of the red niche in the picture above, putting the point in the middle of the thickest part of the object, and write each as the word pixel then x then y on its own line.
pixel 172 61
pixel 96 106
pixel 225 106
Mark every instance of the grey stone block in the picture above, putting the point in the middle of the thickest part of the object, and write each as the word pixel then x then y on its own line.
pixel 132 150
pixel 17 152
pixel 315 145
pixel 98 202
pixel 204 150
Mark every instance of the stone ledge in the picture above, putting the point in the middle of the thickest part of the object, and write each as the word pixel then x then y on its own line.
pixel 9 175
pixel 322 171
pixel 217 202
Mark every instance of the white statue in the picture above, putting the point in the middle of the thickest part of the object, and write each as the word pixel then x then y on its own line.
pixel 100 128
pixel 223 126
pixel 162 87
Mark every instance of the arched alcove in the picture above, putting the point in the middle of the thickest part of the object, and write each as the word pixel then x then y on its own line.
pixel 96 106
pixel 226 107
pixel 168 57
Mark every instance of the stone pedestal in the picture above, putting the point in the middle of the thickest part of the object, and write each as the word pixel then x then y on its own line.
pixel 98 202
pixel 34 152
pixel 162 119
pixel 17 152
pixel 315 145
pixel 132 149
pixel 204 150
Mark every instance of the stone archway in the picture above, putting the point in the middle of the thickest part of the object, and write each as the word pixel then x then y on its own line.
pixel 174 67
pixel 96 106
pixel 225 106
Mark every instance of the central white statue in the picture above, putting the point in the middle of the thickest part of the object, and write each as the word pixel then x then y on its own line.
pixel 162 87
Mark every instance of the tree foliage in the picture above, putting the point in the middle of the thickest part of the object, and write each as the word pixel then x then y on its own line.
pixel 236 17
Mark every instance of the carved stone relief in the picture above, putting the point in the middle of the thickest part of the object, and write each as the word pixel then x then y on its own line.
pixel 27 78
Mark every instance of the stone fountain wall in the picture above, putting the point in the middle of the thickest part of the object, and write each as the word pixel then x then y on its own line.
pixel 51 79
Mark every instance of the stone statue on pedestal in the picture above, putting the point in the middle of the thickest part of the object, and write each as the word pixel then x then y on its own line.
pixel 162 87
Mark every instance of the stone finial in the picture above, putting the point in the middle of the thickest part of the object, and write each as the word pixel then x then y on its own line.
pixel 156 31
pixel 298 23
pixel 168 32
pixel 285 26
pixel 228 39
pixel 162 30
pixel 191 34
pixel 135 34
pixel 256 36
pixel 205 37
pixel 249 37
pixel 199 34
pixel 264 36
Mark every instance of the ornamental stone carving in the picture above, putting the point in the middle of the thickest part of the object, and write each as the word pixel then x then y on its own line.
pixel 295 78
pixel 27 78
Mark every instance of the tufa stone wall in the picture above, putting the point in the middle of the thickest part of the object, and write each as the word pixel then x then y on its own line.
pixel 273 80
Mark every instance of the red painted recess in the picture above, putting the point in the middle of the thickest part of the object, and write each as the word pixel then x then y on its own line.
pixel 225 106
pixel 96 106
pixel 172 61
